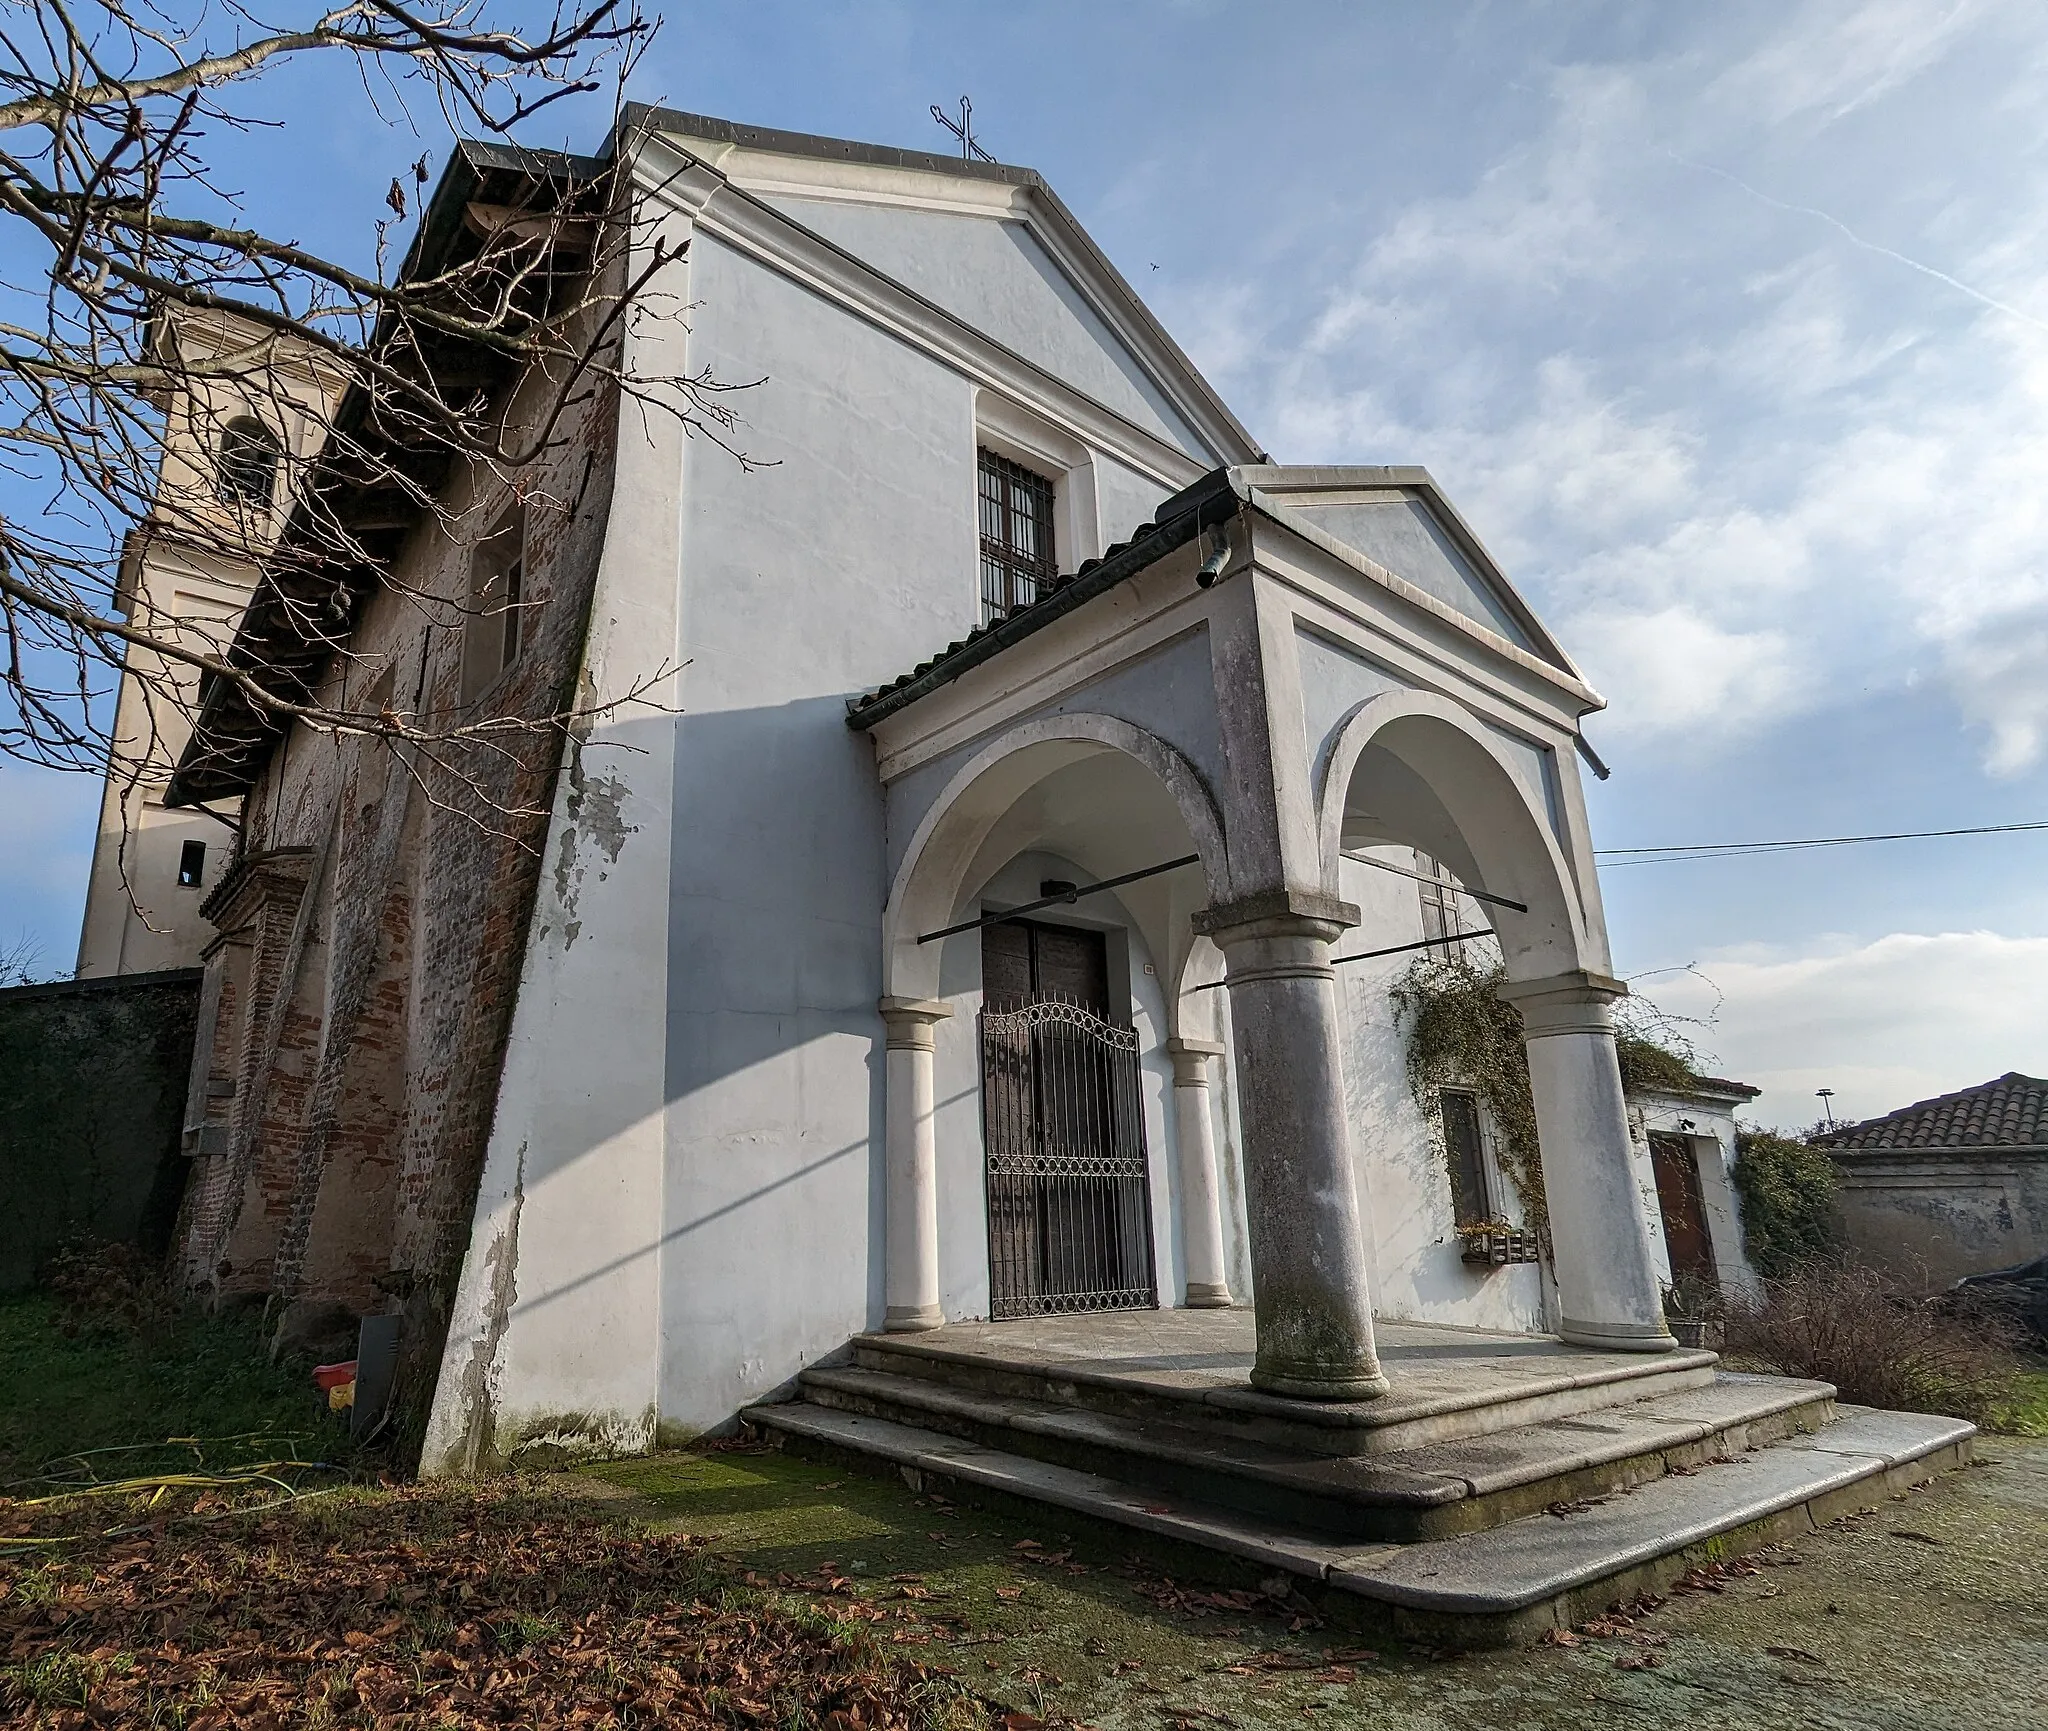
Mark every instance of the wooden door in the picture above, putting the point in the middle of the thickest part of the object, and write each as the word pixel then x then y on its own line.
pixel 1680 1201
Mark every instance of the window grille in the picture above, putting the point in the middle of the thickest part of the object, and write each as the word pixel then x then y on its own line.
pixel 1441 919
pixel 1069 1205
pixel 1017 558
pixel 1469 1196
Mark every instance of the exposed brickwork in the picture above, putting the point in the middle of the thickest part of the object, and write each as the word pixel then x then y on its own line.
pixel 346 1164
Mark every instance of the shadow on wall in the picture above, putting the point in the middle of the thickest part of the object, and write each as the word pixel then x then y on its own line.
pixel 720 974
pixel 92 1100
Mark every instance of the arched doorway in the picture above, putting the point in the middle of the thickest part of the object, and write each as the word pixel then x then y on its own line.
pixel 1419 771
pixel 1068 1043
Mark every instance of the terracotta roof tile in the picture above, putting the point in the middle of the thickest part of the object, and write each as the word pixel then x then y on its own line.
pixel 2011 1112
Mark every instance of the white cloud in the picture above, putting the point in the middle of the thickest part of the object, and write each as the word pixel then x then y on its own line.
pixel 1884 1024
pixel 1692 425
pixel 1835 58
pixel 1675 672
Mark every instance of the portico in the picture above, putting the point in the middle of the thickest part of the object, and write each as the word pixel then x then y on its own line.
pixel 1246 684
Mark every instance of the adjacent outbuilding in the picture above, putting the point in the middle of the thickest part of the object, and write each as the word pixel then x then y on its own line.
pixel 1951 1186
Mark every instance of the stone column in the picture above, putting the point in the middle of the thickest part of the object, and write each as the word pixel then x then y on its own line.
pixel 1301 1195
pixel 1201 1201
pixel 910 1281
pixel 1600 1241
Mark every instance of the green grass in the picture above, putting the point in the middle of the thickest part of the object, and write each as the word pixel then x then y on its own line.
pixel 200 1376
pixel 1093 1647
pixel 2027 1415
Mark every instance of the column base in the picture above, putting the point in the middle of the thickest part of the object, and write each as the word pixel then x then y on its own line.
pixel 1206 1295
pixel 898 1320
pixel 1617 1336
pixel 1320 1387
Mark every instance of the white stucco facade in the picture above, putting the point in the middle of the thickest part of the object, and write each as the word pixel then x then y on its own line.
pixel 740 1113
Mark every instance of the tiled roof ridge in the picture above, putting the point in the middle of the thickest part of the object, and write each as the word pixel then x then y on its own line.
pixel 2009 1111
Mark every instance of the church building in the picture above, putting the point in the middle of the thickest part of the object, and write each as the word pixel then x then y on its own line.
pixel 1006 800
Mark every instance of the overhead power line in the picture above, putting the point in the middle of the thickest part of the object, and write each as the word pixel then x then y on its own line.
pixel 1722 849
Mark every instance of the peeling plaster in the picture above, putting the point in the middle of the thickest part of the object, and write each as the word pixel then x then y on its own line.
pixel 595 811
pixel 479 1396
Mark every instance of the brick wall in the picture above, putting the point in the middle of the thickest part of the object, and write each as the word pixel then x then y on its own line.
pixel 374 927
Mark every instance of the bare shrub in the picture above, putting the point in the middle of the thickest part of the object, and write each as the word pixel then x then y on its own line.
pixel 1879 1343
pixel 111 1289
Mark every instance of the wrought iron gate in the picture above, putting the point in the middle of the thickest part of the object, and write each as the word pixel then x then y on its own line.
pixel 1069 1210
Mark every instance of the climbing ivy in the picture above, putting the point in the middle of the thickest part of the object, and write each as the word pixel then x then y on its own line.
pixel 1650 1068
pixel 1461 1035
pixel 1788 1201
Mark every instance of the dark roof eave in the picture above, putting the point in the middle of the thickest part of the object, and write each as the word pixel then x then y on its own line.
pixel 1928 1150
pixel 1703 1088
pixel 232 736
pixel 1211 500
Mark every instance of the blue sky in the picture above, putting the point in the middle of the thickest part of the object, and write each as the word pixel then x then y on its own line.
pixel 1726 328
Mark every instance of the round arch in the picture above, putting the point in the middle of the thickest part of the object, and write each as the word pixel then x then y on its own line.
pixel 1464 805
pixel 931 879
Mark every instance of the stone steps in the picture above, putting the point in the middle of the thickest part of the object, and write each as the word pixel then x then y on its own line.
pixel 1436 1397
pixel 1508 1582
pixel 1451 1485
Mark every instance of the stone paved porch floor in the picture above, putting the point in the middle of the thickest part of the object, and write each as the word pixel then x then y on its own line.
pixel 1444 1379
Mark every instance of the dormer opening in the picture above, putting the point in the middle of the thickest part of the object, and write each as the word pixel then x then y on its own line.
pixel 245 472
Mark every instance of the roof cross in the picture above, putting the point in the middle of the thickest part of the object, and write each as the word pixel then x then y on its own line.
pixel 963 130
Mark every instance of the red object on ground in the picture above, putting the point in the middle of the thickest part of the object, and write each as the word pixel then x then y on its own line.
pixel 332 1376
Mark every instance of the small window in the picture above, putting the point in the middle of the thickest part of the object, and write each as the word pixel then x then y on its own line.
pixel 1017 558
pixel 246 476
pixel 192 864
pixel 497 606
pixel 1469 1195
pixel 1441 920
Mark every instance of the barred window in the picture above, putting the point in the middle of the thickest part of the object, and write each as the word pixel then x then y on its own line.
pixel 1469 1196
pixel 1017 559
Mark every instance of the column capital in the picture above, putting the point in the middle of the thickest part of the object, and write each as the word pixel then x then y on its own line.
pixel 1191 1060
pixel 1573 1003
pixel 1281 913
pixel 909 1021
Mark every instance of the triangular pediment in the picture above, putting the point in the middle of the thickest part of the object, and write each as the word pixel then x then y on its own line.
pixel 1400 520
pixel 992 246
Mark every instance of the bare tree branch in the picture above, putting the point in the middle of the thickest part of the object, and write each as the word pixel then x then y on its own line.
pixel 149 322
